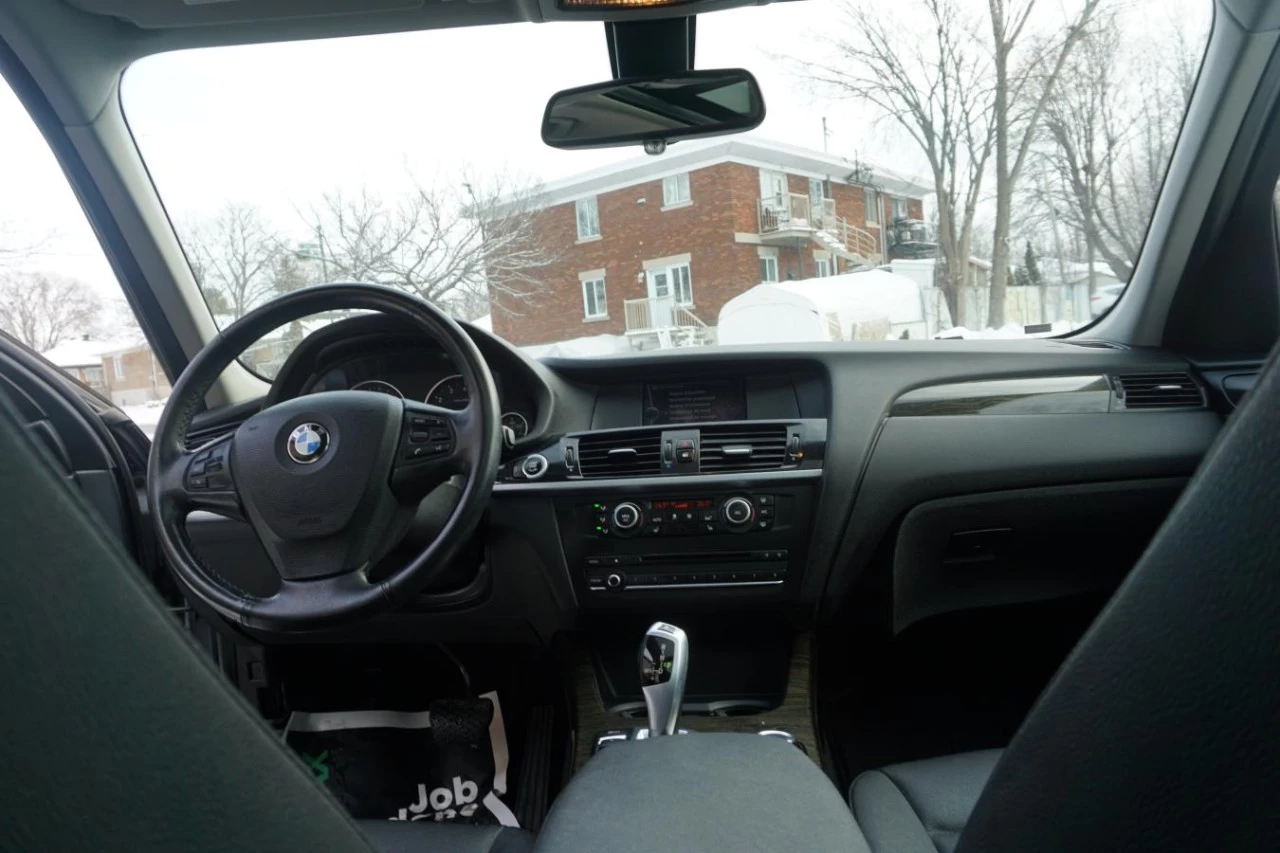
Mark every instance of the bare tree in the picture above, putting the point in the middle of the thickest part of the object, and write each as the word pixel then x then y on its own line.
pixel 44 310
pixel 448 244
pixel 1024 82
pixel 925 71
pixel 233 255
pixel 1108 133
pixel 15 246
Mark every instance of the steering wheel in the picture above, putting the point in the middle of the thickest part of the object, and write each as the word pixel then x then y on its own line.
pixel 328 481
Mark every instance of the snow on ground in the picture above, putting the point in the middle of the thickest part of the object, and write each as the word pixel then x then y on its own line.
pixel 146 415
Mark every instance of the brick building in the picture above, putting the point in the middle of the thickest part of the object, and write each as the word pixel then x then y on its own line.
pixel 653 247
pixel 133 376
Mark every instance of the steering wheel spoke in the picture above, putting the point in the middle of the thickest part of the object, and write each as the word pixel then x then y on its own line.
pixel 435 444
pixel 200 480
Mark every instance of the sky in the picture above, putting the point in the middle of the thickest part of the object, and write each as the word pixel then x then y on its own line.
pixel 277 125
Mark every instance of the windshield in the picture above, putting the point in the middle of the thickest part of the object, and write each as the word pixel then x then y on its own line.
pixel 927 169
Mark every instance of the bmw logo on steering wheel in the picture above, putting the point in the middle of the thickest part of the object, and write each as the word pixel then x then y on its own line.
pixel 307 443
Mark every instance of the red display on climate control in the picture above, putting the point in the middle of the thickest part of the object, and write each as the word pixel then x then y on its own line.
pixel 700 503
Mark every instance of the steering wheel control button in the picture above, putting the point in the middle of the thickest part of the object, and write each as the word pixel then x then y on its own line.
pixel 426 438
pixel 533 467
pixel 307 443
pixel 208 470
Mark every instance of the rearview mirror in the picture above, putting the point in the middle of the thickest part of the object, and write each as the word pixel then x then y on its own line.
pixel 655 109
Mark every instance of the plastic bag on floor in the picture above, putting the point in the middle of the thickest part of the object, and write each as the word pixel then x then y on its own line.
pixel 445 764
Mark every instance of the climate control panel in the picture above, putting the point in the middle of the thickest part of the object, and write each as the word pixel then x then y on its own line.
pixel 739 513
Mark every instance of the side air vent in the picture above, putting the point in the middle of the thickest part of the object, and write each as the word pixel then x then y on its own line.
pixel 620 454
pixel 1158 391
pixel 744 447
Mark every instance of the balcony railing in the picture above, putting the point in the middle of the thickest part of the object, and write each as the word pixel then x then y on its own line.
pixel 859 241
pixel 794 210
pixel 658 312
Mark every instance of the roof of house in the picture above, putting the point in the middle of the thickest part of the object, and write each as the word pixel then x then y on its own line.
pixel 82 353
pixel 745 149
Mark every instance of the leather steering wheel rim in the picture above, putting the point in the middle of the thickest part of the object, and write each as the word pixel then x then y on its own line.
pixel 366 436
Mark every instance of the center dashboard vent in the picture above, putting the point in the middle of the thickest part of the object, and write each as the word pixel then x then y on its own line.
pixel 743 447
pixel 620 454
pixel 1158 391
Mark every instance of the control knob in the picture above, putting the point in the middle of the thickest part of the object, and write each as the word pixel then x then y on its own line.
pixel 626 516
pixel 738 513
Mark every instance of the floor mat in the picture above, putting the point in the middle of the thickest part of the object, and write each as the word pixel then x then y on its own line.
pixel 447 764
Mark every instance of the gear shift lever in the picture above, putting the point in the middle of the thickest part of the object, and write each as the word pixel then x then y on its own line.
pixel 664 666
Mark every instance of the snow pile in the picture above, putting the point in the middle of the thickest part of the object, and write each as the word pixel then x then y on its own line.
pixel 859 297
pixel 595 345
pixel 822 309
pixel 767 314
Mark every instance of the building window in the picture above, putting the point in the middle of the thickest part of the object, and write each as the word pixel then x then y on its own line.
pixel 768 268
pixel 871 200
pixel 824 267
pixel 594 305
pixel 93 377
pixel 588 218
pixel 675 189
pixel 117 365
pixel 899 208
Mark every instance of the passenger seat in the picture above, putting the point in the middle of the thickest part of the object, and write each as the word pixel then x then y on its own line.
pixel 920 806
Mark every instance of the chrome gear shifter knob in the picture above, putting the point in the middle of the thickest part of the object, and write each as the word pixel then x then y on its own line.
pixel 664 667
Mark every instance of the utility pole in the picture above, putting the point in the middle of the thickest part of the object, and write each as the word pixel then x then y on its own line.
pixel 825 134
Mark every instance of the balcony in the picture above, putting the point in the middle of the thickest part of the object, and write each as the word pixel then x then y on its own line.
pixel 787 218
pixel 661 323
pixel 794 214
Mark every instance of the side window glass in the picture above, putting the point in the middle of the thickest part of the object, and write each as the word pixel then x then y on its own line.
pixel 58 294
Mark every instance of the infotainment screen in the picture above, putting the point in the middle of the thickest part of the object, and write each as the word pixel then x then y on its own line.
pixel 689 402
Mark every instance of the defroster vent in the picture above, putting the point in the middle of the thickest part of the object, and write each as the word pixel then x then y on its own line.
pixel 622 453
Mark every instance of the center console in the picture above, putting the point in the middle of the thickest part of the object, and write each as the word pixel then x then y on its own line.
pixel 644 543
pixel 697 490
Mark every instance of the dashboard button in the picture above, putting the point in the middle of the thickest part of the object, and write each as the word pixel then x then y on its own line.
pixel 534 466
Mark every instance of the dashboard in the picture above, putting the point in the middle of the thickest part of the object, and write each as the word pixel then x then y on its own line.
pixel 950 475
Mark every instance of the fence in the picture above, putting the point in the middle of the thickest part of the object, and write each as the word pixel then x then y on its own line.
pixel 1023 306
